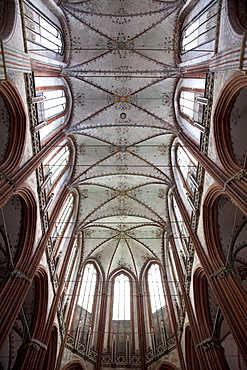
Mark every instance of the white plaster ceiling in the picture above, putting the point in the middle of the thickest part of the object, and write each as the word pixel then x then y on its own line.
pixel 122 74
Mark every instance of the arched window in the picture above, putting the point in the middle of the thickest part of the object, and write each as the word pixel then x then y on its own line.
pixel 156 293
pixel 180 232
pixel 70 264
pixel 41 32
pixel 187 168
pixel 87 292
pixel 56 166
pixel 191 105
pixel 160 327
pixel 69 280
pixel 121 329
pixel 62 222
pixel 198 33
pixel 85 303
pixel 54 103
pixel 51 105
pixel 121 300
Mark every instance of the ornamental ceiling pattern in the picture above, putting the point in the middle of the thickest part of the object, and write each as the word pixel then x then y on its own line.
pixel 123 75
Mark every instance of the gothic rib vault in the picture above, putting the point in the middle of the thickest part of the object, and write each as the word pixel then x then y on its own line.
pixel 122 73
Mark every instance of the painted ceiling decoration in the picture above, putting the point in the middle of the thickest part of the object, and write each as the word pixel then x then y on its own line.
pixel 123 75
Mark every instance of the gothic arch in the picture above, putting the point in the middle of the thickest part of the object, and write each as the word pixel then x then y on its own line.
pixel 29 228
pixel 190 351
pixel 51 353
pixel 202 303
pixel 18 221
pixel 41 302
pixel 221 119
pixel 178 29
pixel 223 223
pixel 18 126
pixel 237 13
pixel 9 18
pixel 211 228
pixel 167 366
pixel 52 89
pixel 73 365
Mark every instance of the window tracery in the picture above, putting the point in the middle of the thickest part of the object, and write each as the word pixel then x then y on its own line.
pixel 56 166
pixel 54 103
pixel 121 327
pixel 121 301
pixel 51 104
pixel 85 304
pixel 191 106
pixel 158 318
pixel 61 224
pixel 198 33
pixel 187 168
pixel 41 31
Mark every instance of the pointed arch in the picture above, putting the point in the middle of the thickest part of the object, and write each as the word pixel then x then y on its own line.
pixel 7 25
pixel 13 138
pixel 190 351
pixel 41 303
pixel 223 127
pixel 73 365
pixel 18 217
pixel 51 353
pixel 202 302
pixel 167 366
pixel 237 14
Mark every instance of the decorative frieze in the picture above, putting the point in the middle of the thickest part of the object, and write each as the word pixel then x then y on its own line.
pixel 106 358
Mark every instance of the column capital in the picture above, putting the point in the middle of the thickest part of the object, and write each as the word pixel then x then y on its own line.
pixel 222 272
pixel 34 345
pixel 209 344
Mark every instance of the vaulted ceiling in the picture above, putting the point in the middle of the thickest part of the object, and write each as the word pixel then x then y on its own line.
pixel 123 75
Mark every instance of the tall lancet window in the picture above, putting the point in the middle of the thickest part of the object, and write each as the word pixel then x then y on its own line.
pixel 56 166
pixel 190 107
pixel 85 303
pixel 61 225
pixel 198 33
pixel 121 316
pixel 121 302
pixel 42 33
pixel 160 329
pixel 54 103
pixel 188 168
pixel 157 299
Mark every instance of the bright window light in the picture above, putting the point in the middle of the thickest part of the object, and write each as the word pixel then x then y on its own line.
pixel 121 301
pixel 156 292
pixel 87 292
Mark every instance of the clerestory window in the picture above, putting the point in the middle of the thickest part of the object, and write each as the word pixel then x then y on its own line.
pixel 56 166
pixel 86 302
pixel 121 300
pixel 62 222
pixel 54 103
pixel 87 291
pixel 159 322
pixel 41 32
pixel 190 107
pixel 51 105
pixel 198 33
pixel 156 293
pixel 187 168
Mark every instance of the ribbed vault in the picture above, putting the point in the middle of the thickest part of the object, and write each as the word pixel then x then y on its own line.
pixel 122 74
